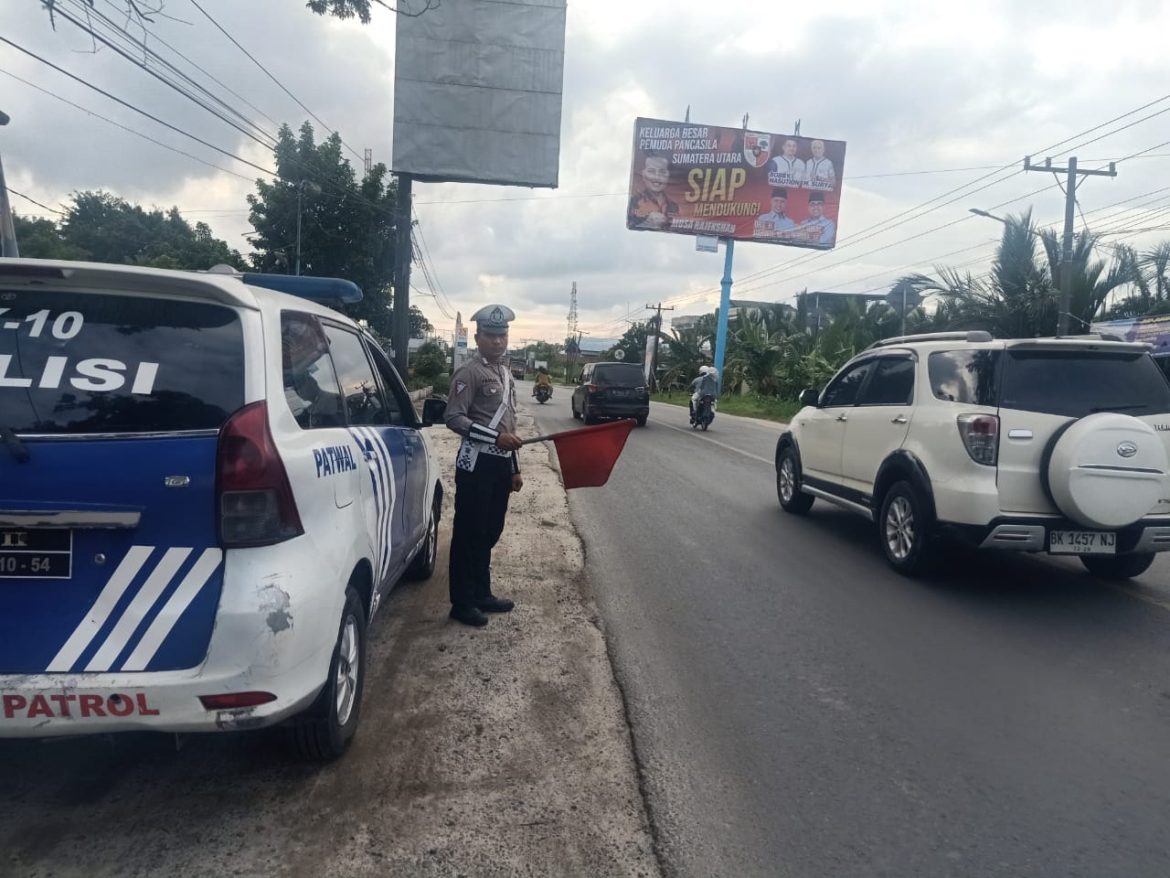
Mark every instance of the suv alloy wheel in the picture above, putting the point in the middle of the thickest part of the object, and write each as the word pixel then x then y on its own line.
pixel 792 499
pixel 905 530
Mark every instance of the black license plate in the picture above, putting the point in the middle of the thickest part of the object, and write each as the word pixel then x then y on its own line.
pixel 41 553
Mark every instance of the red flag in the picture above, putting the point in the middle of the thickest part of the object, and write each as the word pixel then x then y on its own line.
pixel 587 455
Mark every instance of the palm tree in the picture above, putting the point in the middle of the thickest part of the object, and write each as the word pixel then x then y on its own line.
pixel 1156 265
pixel 1016 299
pixel 1092 280
pixel 754 353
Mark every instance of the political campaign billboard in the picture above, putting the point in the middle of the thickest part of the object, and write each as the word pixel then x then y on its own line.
pixel 477 91
pixel 1154 331
pixel 695 179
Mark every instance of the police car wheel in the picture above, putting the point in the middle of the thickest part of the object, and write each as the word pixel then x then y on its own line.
pixel 325 731
pixel 423 565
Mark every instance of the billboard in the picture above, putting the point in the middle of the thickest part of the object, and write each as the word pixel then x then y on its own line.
pixel 748 185
pixel 1154 331
pixel 477 91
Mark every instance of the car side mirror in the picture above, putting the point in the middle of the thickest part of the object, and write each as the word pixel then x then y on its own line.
pixel 434 410
pixel 811 396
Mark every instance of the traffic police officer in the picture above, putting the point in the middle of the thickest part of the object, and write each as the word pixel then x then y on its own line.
pixel 481 408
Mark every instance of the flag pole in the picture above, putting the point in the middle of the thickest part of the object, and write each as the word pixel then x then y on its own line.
pixel 576 432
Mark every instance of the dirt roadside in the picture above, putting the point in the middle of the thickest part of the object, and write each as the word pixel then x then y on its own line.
pixel 499 751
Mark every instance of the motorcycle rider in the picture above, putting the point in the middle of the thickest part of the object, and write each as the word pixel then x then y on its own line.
pixel 706 383
pixel 542 378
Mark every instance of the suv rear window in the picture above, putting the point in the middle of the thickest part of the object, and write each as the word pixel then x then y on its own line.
pixel 75 363
pixel 1078 383
pixel 618 375
pixel 969 377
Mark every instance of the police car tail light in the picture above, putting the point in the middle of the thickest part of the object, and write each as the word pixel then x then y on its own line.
pixel 235 700
pixel 256 504
pixel 980 437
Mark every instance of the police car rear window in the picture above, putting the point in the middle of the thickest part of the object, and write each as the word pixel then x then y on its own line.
pixel 74 363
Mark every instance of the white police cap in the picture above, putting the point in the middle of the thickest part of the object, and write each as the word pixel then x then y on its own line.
pixel 493 319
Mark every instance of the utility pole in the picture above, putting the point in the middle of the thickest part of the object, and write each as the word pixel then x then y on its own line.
pixel 652 378
pixel 403 252
pixel 1070 206
pixel 573 335
pixel 7 231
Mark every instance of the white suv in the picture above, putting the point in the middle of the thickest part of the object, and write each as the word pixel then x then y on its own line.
pixel 207 487
pixel 1037 445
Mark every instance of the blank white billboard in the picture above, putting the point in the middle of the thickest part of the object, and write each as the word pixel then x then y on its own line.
pixel 477 91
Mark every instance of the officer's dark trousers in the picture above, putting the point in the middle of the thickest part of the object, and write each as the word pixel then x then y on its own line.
pixel 481 501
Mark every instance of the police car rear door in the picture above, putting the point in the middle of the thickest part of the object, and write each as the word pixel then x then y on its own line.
pixel 384 452
pixel 111 402
pixel 403 421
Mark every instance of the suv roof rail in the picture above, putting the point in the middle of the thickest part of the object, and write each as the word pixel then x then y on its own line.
pixel 973 337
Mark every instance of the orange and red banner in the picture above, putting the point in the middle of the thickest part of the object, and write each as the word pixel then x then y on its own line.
pixel 748 185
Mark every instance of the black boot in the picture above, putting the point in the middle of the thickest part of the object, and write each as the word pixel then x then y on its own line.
pixel 469 615
pixel 493 604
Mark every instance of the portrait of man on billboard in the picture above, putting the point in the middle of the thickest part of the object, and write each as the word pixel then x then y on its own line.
pixel 776 221
pixel 818 170
pixel 786 169
pixel 650 208
pixel 818 229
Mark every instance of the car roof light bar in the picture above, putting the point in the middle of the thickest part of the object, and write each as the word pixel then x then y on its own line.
pixel 325 290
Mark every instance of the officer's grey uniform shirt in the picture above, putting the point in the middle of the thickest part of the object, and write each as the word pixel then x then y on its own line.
pixel 477 389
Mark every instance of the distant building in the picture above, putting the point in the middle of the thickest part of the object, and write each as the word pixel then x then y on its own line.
pixel 592 348
pixel 747 308
pixel 685 321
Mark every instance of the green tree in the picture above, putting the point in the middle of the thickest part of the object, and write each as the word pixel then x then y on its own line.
pixel 41 239
pixel 1020 296
pixel 347 224
pixel 632 343
pixel 360 9
pixel 429 361
pixel 101 227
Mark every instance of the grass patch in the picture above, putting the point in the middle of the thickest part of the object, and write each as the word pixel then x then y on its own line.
pixel 750 406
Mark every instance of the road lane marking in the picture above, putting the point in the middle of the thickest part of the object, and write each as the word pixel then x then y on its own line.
pixel 706 438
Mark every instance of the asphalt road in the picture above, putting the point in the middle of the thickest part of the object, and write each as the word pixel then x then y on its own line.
pixel 799 709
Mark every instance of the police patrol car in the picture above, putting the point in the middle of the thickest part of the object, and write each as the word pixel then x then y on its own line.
pixel 207 486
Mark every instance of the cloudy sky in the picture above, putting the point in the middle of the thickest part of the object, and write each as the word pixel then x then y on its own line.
pixel 938 109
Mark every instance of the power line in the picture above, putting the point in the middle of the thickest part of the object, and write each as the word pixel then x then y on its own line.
pixel 37 203
pixel 136 109
pixel 126 128
pixel 177 88
pixel 269 74
pixel 426 250
pixel 202 70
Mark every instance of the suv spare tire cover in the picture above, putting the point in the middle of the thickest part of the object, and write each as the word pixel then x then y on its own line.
pixel 1107 470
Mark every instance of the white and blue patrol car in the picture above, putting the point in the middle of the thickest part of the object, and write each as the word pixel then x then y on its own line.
pixel 207 486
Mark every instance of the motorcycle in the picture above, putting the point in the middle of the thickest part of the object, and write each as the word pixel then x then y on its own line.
pixel 704 412
pixel 543 393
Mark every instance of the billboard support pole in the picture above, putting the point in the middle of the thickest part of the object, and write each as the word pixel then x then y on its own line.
pixel 724 306
pixel 402 256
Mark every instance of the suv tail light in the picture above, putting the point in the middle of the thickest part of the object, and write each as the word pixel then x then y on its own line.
pixel 981 437
pixel 256 505
pixel 592 388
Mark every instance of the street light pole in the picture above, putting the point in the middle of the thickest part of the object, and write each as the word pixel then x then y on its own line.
pixel 300 192
pixel 315 190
